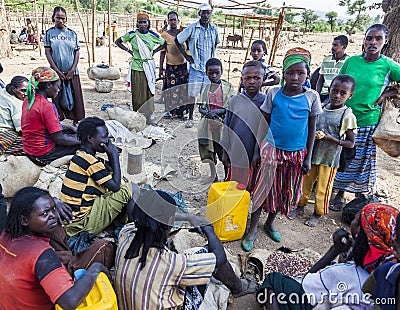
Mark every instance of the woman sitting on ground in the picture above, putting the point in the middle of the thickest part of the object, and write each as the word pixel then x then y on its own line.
pixel 31 275
pixel 10 116
pixel 373 232
pixel 44 138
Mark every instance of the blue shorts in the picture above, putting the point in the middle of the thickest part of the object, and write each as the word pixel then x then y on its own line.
pixel 197 81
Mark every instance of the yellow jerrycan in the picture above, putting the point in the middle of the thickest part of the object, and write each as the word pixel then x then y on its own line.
pixel 101 297
pixel 227 208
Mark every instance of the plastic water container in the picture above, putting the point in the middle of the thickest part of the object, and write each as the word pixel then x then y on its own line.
pixel 101 297
pixel 227 208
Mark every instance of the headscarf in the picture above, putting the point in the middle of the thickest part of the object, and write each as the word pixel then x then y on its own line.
pixel 296 55
pixel 142 15
pixel 39 75
pixel 378 221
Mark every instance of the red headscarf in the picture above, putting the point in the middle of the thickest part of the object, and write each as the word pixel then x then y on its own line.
pixel 378 221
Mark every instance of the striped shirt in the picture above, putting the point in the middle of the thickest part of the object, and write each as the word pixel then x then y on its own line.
pixel 161 283
pixel 83 182
pixel 330 69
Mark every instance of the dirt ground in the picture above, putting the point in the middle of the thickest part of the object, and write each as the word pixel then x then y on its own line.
pixel 181 152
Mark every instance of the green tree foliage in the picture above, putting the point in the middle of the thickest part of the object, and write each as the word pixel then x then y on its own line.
pixel 332 16
pixel 309 17
pixel 290 15
pixel 355 8
pixel 267 11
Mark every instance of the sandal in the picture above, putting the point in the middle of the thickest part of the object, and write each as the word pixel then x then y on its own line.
pixel 337 204
pixel 248 287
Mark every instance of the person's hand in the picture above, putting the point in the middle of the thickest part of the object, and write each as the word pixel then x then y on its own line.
pixel 189 59
pixel 378 101
pixel 161 73
pixel 328 137
pixel 70 74
pixel 305 169
pixel 64 211
pixel 61 75
pixel 341 240
pixel 110 149
pixel 212 114
pixel 96 268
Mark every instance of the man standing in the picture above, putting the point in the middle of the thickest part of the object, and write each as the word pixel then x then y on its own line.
pixel 202 39
pixel 331 65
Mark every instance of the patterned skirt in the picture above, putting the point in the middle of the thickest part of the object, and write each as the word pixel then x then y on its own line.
pixel 175 93
pixel 360 176
pixel 279 179
pixel 11 143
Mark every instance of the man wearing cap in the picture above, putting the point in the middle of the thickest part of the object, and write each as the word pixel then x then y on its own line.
pixel 202 39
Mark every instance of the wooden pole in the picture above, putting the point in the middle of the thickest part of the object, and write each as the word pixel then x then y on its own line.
pixel 88 25
pixel 229 66
pixel 278 28
pixel 42 19
pixel 93 28
pixel 233 30
pixel 110 34
pixel 37 27
pixel 243 30
pixel 223 36
pixel 83 30
pixel 249 45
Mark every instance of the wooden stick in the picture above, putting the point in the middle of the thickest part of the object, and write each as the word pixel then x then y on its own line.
pixel 37 27
pixel 110 34
pixel 248 46
pixel 229 66
pixel 223 36
pixel 83 30
pixel 93 28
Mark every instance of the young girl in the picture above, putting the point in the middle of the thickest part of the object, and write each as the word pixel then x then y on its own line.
pixel 291 112
pixel 257 52
pixel 335 121
pixel 373 72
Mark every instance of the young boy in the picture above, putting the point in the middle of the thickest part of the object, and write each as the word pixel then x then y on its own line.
pixel 213 101
pixel 95 196
pixel 328 146
pixel 242 120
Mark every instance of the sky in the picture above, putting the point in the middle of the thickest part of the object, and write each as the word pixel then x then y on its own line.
pixel 322 5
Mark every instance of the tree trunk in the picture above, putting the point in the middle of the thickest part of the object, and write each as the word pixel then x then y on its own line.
pixel 391 20
pixel 5 47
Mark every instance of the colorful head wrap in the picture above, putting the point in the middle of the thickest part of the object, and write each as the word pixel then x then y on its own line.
pixel 142 15
pixel 379 223
pixel 39 75
pixel 296 55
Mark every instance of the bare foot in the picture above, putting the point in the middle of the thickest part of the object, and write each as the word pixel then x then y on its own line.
pixel 294 213
pixel 313 220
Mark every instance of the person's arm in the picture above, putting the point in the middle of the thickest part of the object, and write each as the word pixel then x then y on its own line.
pixel 122 46
pixel 72 298
pixel 341 243
pixel 71 128
pixel 182 50
pixel 387 93
pixel 62 139
pixel 71 71
pixel 114 184
pixel 348 143
pixel 312 121
pixel 320 83
pixel 224 271
pixel 160 48
pixel 47 52
pixel 161 69
pixel 274 79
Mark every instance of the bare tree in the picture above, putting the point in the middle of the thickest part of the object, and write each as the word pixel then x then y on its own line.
pixel 5 47
pixel 391 20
